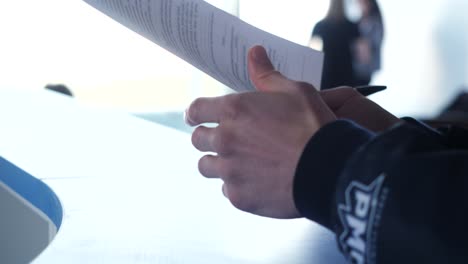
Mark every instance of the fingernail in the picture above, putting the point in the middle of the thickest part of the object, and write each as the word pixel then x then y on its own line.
pixel 260 55
pixel 225 191
pixel 186 117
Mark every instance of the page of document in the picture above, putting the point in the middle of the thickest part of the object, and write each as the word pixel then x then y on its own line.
pixel 212 40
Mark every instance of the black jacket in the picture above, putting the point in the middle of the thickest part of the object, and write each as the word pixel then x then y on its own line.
pixel 396 197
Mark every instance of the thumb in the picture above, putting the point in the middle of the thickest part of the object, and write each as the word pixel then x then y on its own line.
pixel 262 72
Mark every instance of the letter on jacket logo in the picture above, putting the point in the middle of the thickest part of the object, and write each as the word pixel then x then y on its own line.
pixel 357 217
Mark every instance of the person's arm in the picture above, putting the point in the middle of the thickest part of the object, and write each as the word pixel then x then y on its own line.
pixel 317 31
pixel 316 41
pixel 395 197
pixel 373 43
pixel 260 135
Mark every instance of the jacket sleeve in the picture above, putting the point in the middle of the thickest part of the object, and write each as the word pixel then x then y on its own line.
pixel 396 197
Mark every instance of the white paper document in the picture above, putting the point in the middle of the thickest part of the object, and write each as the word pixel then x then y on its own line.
pixel 211 39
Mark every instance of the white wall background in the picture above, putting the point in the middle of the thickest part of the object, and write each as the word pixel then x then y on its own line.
pixel 425 55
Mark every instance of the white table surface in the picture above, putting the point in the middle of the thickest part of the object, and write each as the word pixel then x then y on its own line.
pixel 131 191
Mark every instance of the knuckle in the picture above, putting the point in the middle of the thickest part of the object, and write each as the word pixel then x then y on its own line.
pixel 308 93
pixel 196 103
pixel 346 87
pixel 268 79
pixel 348 91
pixel 226 172
pixel 352 92
pixel 234 106
pixel 265 77
pixel 222 140
pixel 305 88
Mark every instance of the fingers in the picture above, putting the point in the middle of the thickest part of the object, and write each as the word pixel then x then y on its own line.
pixel 337 97
pixel 202 138
pixel 263 73
pixel 210 166
pixel 322 113
pixel 236 192
pixel 220 140
pixel 213 110
pixel 265 78
pixel 203 110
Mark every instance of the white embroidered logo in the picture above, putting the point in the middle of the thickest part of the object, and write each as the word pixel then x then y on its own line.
pixel 357 217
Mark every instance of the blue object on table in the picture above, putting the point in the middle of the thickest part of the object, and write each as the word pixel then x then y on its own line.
pixel 30 215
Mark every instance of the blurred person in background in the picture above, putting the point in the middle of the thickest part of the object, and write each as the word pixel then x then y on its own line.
pixel 336 35
pixel 368 48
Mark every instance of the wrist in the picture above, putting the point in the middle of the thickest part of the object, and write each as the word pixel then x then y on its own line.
pixel 320 165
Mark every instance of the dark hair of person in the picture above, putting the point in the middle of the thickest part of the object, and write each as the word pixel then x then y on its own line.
pixel 336 10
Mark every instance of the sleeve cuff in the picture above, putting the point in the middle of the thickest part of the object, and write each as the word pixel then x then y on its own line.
pixel 320 165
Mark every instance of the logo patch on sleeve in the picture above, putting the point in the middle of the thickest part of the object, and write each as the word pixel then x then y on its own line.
pixel 360 217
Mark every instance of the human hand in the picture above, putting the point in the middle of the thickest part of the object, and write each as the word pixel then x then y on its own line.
pixel 345 102
pixel 259 139
pixel 348 103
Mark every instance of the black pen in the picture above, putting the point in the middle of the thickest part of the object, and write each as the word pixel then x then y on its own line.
pixel 370 89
